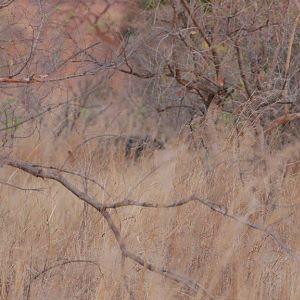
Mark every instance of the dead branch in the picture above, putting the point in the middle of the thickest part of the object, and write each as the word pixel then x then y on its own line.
pixel 32 48
pixel 282 121
pixel 163 109
pixel 19 80
pixel 221 209
pixel 31 118
pixel 44 78
pixel 288 61
pixel 81 176
pixel 60 264
pixel 241 68
pixel 6 4
pixel 215 55
pixel 145 75
pixel 130 202
pixel 289 53
pixel 297 2
pixel 21 188
pixel 44 173
pixel 253 29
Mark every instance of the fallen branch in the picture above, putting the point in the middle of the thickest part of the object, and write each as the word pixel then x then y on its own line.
pixel 54 174
pixel 3 5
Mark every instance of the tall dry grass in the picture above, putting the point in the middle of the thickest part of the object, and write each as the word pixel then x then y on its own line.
pixel 53 247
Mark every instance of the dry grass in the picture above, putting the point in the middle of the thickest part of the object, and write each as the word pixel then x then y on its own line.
pixel 52 247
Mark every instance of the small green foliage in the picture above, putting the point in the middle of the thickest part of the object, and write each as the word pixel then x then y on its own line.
pixel 242 86
pixel 227 118
pixel 266 68
pixel 142 111
pixel 13 122
pixel 205 45
pixel 206 5
pixel 9 101
pixel 17 121
pixel 150 4
pixel 221 49
pixel 71 14
pixel 10 61
pixel 164 77
pixel 195 126
pixel 84 111
pixel 58 8
pixel 102 25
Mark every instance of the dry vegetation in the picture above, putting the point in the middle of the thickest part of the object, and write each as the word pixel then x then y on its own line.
pixel 214 214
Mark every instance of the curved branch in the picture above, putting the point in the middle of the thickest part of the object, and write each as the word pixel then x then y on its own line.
pixel 45 270
pixel 44 173
pixel 213 206
pixel 9 2
pixel 241 68
pixel 282 121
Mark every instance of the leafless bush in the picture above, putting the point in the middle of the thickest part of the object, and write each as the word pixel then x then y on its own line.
pixel 240 57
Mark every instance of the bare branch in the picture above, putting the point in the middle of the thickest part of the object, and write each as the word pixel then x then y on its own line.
pixel 201 31
pixel 136 74
pixel 288 61
pixel 221 209
pixel 282 121
pixel 60 264
pixel 32 48
pixel 31 118
pixel 81 176
pixel 241 68
pixel 43 173
pixel 55 175
pixel 297 2
pixel 159 109
pixel 20 188
pixel 6 4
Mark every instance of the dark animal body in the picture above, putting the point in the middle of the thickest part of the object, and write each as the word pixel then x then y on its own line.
pixel 125 148
pixel 136 146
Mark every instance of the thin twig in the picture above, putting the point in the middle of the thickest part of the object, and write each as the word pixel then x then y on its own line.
pixel 288 61
pixel 241 68
pixel 60 264
pixel 21 188
pixel 215 55
pixel 31 118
